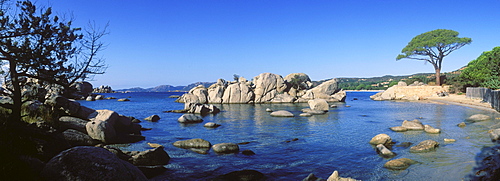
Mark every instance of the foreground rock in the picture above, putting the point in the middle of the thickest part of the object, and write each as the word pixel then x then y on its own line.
pixel 282 113
pixel 333 177
pixel 190 118
pixel 193 143
pixel 494 134
pixel 424 146
pixel 153 118
pixel 383 139
pixel 226 148
pixel 110 127
pixel 242 175
pixel 318 104
pixel 399 164
pixel 413 125
pixel 152 157
pixel 382 150
pixel 90 163
pixel 478 118
pixel 430 129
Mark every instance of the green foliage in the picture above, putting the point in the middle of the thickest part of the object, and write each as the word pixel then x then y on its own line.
pixel 483 71
pixel 432 47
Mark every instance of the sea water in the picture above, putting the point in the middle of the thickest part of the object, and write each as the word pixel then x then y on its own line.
pixel 337 140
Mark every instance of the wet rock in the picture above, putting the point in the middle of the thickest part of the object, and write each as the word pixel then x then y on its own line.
pixel 333 106
pixel 242 175
pixel 494 134
pixel 152 157
pixel 152 118
pixel 399 164
pixel 318 104
pixel 190 118
pixel 404 144
pixel 211 125
pixel 193 143
pixel 382 150
pixel 399 129
pixel 413 125
pixel 123 99
pixel 312 177
pixel 305 114
pixel 269 110
pixel 424 146
pixel 99 97
pixel 226 148
pixel 478 118
pixel 462 124
pixel 154 145
pixel 90 163
pixel 335 177
pixel 248 152
pixel 430 129
pixel 449 140
pixel 313 112
pixel 90 98
pixel 381 139
pixel 282 113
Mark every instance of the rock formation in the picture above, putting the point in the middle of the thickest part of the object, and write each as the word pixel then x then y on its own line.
pixel 264 88
pixel 412 92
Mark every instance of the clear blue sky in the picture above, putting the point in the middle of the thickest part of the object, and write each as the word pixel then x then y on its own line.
pixel 178 42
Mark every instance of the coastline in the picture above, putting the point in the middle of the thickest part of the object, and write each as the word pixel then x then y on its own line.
pixel 461 100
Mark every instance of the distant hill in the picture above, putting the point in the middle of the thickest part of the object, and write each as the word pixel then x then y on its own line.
pixel 167 88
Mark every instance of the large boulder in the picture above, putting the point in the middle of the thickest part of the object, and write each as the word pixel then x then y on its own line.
pixel 430 129
pixel 226 148
pixel 240 92
pixel 382 150
pixel 203 109
pixel 216 91
pixel 77 138
pixel 90 163
pixel 302 79
pixel 283 98
pixel 267 86
pixel 152 157
pixel 413 125
pixel 190 118
pixel 82 88
pixel 201 93
pixel 110 127
pixel 322 91
pixel 335 177
pixel 68 122
pixel 399 164
pixel 383 139
pixel 424 146
pixel 193 143
pixel 318 104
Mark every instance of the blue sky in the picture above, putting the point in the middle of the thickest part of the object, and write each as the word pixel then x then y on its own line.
pixel 159 42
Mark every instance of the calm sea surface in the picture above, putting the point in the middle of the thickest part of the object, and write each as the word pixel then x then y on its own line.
pixel 337 140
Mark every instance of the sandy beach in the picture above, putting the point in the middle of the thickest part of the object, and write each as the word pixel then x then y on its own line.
pixel 461 100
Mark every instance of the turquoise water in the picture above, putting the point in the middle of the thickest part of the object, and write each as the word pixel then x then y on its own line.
pixel 337 140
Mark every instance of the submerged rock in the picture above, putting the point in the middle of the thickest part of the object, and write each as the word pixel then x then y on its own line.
pixel 282 113
pixel 193 143
pixel 211 125
pixel 424 146
pixel 382 150
pixel 226 148
pixel 462 124
pixel 478 118
pixel 153 118
pixel 399 129
pixel 399 164
pixel 190 118
pixel 242 175
pixel 413 125
pixel 430 129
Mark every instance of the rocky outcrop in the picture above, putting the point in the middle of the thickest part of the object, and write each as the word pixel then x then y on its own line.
pixel 333 177
pixel 267 86
pixel 240 92
pixel 110 127
pixel 264 88
pixel 103 89
pixel 152 157
pixel 413 93
pixel 424 146
pixel 90 163
pixel 82 90
pixel 413 125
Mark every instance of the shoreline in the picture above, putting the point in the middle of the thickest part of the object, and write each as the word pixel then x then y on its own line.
pixel 461 100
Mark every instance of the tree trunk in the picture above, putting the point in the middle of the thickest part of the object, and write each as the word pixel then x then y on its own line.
pixel 16 95
pixel 438 77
